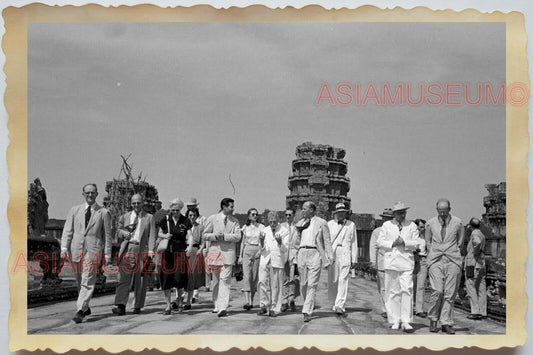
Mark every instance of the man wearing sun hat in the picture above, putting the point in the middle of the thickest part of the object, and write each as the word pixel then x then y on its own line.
pixel 376 258
pixel 344 244
pixel 399 239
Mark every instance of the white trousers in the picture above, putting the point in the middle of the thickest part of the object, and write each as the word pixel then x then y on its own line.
pixel 309 267
pixel 399 296
pixel 263 285
pixel 338 276
pixel 221 287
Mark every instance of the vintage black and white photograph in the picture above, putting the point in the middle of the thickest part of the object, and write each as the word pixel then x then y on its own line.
pixel 293 178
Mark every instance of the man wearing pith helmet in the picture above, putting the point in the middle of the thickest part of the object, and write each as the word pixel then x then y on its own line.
pixel 399 239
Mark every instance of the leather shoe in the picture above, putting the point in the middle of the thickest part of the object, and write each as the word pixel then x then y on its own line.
pixel 384 315
pixel 136 311
pixel 175 305
pixel 448 329
pixel 433 326
pixel 119 310
pixel 307 317
pixel 187 307
pixel 78 318
pixel 422 314
pixel 475 316
pixel 272 314
pixel 407 328
pixel 292 306
pixel 87 312
pixel 339 311
pixel 167 312
pixel 284 307
pixel 222 313
pixel 263 311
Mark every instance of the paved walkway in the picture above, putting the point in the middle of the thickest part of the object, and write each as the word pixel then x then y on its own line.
pixel 362 317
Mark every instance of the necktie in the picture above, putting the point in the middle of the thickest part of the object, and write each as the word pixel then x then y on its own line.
pixel 87 216
pixel 443 230
pixel 135 224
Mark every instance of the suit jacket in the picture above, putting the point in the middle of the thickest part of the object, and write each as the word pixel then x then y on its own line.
pixel 346 238
pixel 322 239
pixel 222 251
pixel 87 241
pixel 398 258
pixel 293 242
pixel 450 246
pixel 475 255
pixel 377 255
pixel 272 251
pixel 147 233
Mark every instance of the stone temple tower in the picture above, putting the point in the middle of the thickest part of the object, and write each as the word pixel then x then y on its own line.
pixel 319 175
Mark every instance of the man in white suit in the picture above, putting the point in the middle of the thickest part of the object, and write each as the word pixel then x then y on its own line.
pixel 344 244
pixel 136 230
pixel 87 232
pixel 272 266
pixel 314 253
pixel 223 231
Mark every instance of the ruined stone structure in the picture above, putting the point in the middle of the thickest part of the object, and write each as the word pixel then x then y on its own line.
pixel 495 219
pixel 121 189
pixel 319 175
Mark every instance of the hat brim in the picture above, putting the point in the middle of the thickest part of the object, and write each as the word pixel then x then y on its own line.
pixel 386 215
pixel 400 209
pixel 341 210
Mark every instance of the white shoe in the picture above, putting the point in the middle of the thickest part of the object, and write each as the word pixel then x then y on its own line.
pixel 406 327
pixel 214 310
pixel 395 326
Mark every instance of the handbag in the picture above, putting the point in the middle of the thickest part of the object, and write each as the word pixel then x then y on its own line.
pixel 163 243
pixel 469 271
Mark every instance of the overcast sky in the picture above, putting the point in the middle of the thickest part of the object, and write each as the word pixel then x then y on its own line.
pixel 195 102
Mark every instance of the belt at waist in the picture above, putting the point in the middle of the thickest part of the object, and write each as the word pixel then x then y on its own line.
pixel 307 247
pixel 134 242
pixel 339 245
pixel 253 245
pixel 196 246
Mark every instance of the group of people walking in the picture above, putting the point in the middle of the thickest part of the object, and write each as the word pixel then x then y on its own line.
pixel 280 261
pixel 405 253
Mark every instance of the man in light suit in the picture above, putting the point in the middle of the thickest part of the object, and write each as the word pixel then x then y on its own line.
pixel 444 239
pixel 344 244
pixel 87 232
pixel 314 253
pixel 136 230
pixel 291 286
pixel 223 231
pixel 274 254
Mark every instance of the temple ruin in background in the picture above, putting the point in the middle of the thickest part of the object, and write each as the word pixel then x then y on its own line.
pixel 319 174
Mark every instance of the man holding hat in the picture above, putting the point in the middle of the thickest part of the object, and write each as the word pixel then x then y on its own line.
pixel 376 258
pixel 344 244
pixel 399 239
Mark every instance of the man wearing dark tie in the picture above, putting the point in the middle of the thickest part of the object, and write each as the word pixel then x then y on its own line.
pixel 136 230
pixel 444 239
pixel 223 231
pixel 87 232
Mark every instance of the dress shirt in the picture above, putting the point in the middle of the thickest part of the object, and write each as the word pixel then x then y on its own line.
pixel 308 238
pixel 137 233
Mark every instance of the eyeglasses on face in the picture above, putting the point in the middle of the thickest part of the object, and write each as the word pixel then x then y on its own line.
pixel 288 215
pixel 174 210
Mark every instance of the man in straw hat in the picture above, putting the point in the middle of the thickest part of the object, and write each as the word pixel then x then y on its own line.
pixel 376 258
pixel 444 239
pixel 399 238
pixel 314 253
pixel 344 244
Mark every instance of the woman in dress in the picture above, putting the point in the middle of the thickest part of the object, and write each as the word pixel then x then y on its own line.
pixel 250 252
pixel 176 228
pixel 196 259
